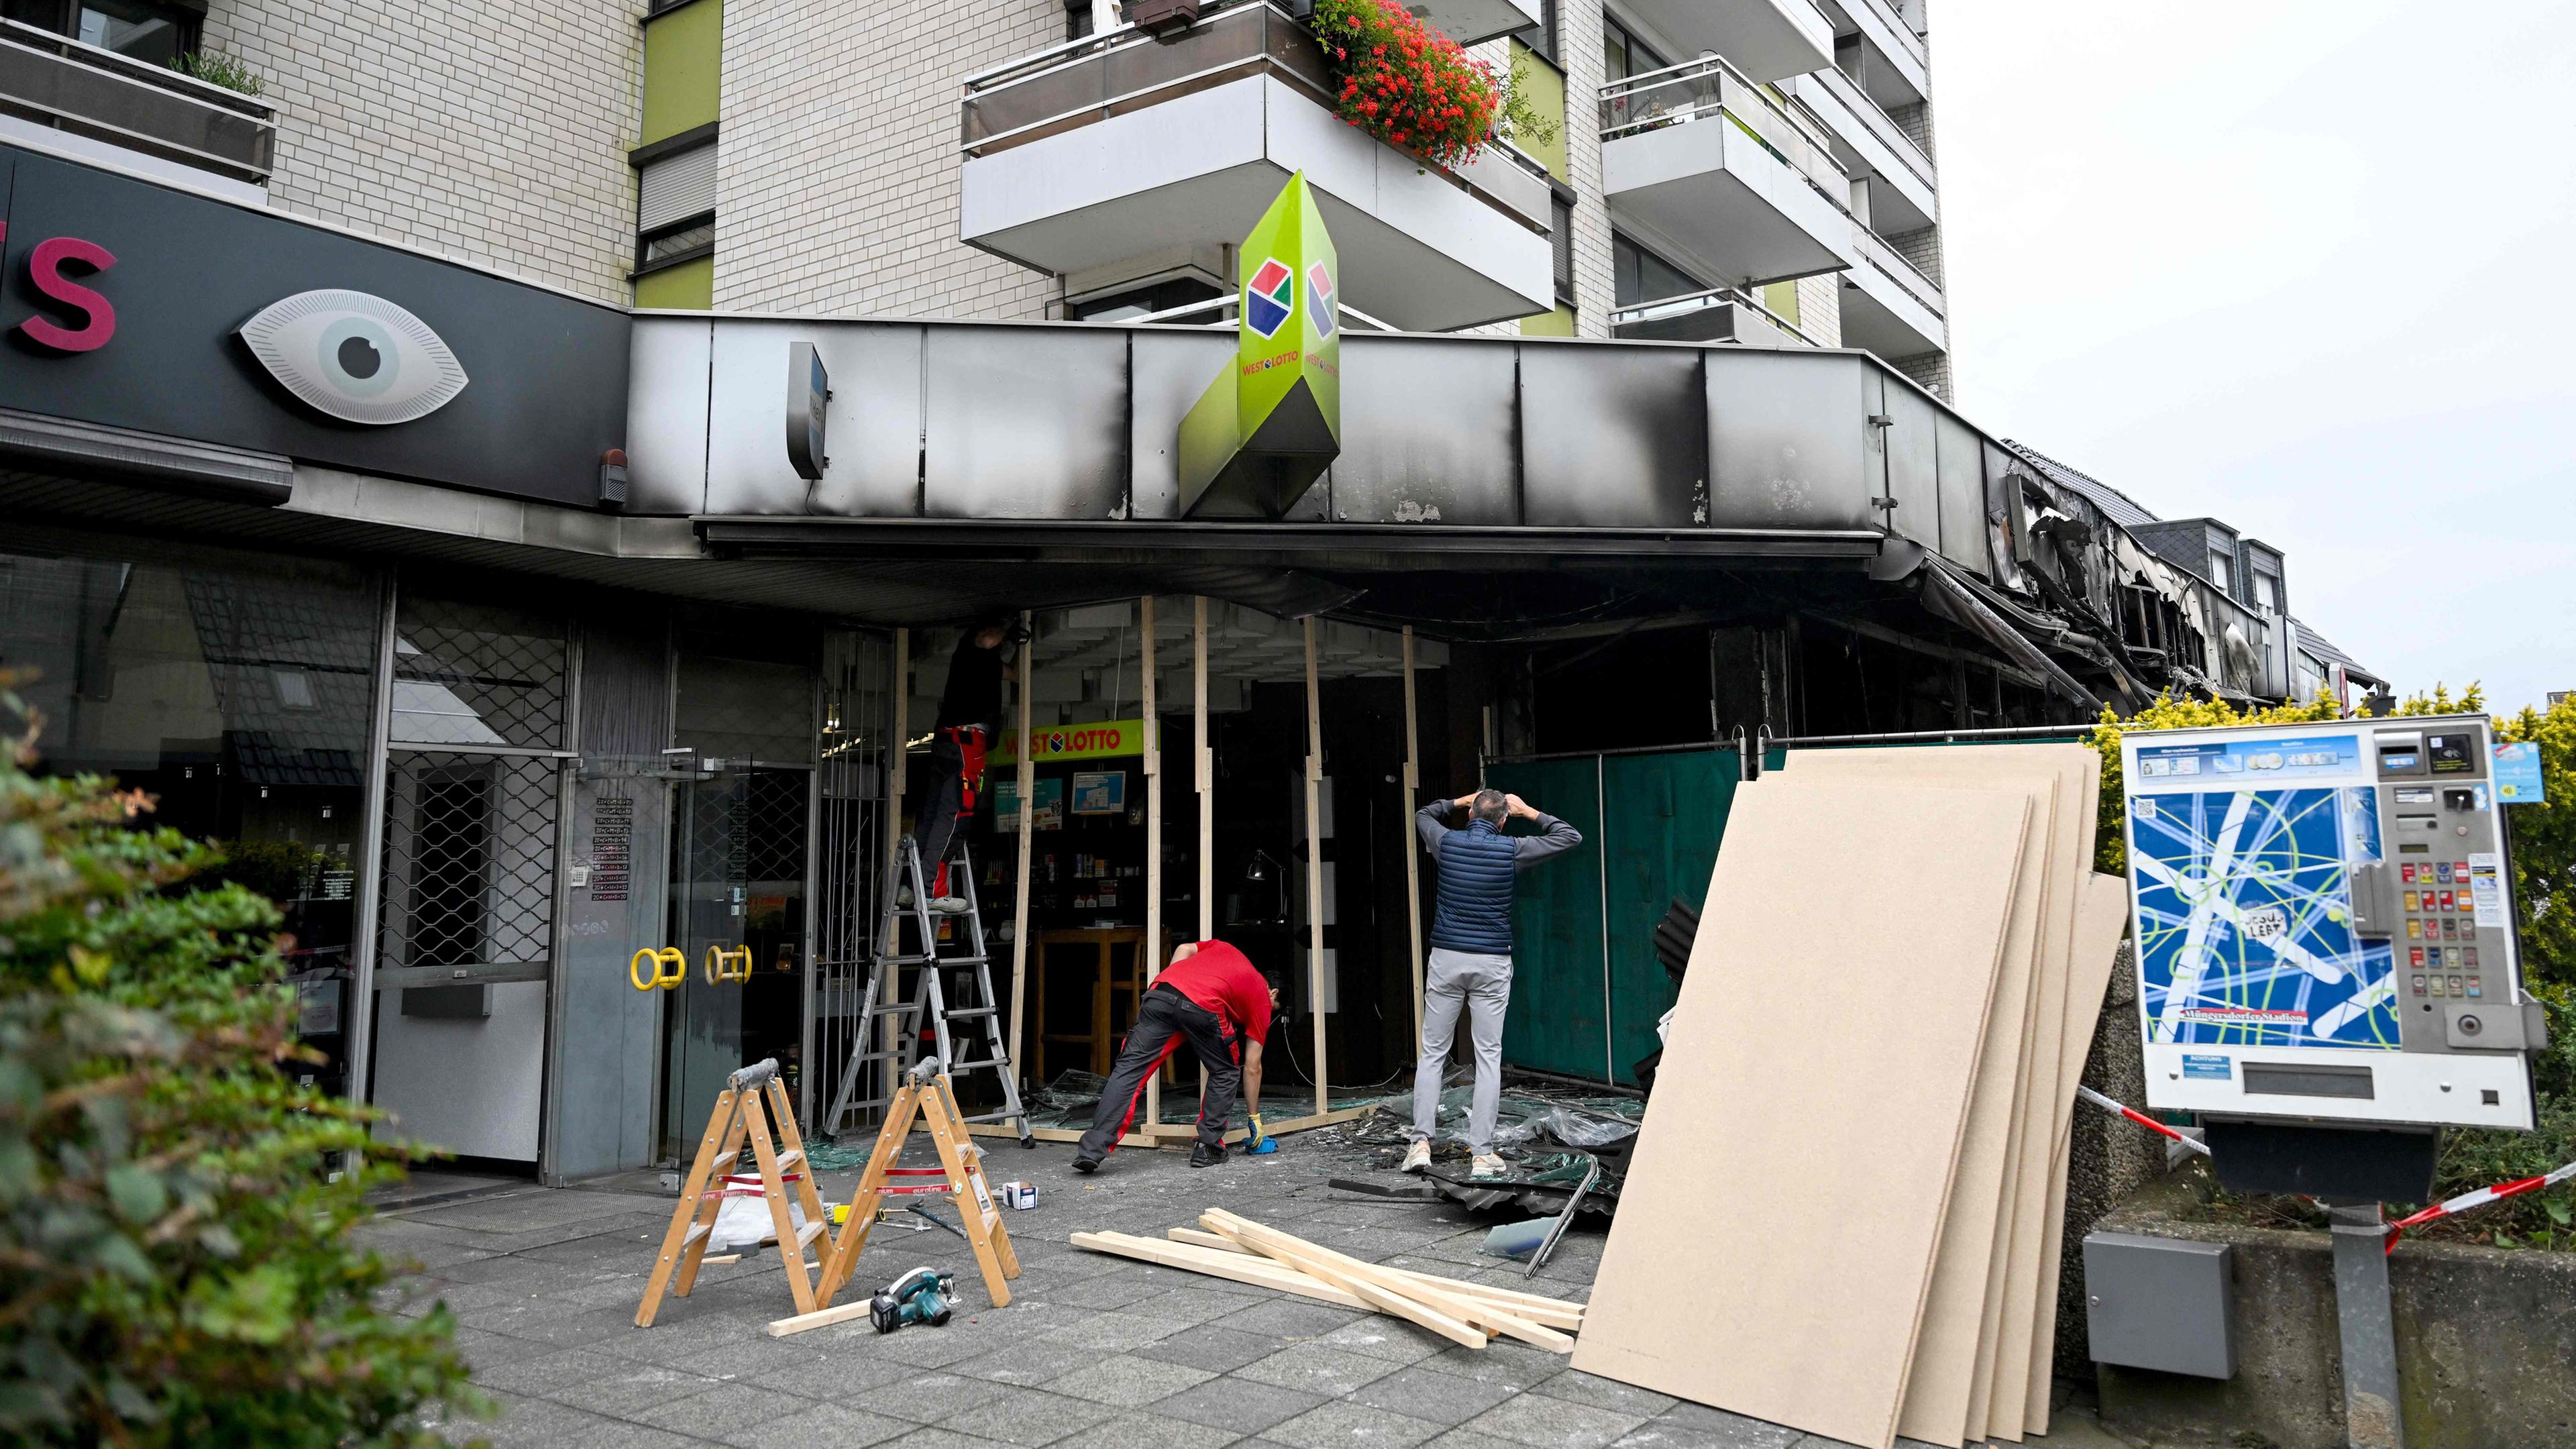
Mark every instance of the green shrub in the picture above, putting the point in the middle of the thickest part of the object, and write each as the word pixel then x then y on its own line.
pixel 216 68
pixel 176 1265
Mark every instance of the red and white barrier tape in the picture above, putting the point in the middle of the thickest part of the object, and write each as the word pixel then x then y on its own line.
pixel 2468 1201
pixel 2141 1118
pixel 2465 1202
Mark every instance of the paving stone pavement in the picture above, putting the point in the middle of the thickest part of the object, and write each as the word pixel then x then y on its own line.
pixel 1093 1350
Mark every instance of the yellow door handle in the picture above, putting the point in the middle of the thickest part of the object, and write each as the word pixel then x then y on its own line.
pixel 670 968
pixel 724 965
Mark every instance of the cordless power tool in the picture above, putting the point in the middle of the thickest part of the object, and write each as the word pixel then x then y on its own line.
pixel 924 1295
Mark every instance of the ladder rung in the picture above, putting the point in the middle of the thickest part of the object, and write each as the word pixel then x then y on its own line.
pixel 790 1158
pixel 696 1231
pixel 955 1067
pixel 995 1117
pixel 810 1232
pixel 900 1009
pixel 957 1012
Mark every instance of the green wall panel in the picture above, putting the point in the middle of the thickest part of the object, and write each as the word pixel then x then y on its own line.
pixel 1558 1013
pixel 683 66
pixel 1665 814
pixel 689 286
pixel 1545 85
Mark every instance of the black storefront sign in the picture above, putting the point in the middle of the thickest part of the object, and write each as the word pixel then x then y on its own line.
pixel 544 400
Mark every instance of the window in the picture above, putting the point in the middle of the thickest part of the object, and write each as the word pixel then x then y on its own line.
pixel 1143 299
pixel 145 30
pixel 1641 276
pixel 693 238
pixel 675 207
pixel 2222 572
pixel 1623 55
pixel 2267 591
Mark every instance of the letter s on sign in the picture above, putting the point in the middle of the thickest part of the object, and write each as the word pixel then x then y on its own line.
pixel 45 273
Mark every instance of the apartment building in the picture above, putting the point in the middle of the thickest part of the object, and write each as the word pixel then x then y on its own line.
pixel 516 475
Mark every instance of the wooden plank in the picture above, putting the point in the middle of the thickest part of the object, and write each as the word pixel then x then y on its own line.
pixel 1407 843
pixel 1045 1134
pixel 884 1029
pixel 1297 1253
pixel 1949 1385
pixel 1150 950
pixel 1553 1312
pixel 1811 1321
pixel 1170 1130
pixel 1354 1273
pixel 2101 919
pixel 1027 781
pixel 1315 869
pixel 1258 1271
pixel 820 1318
pixel 1203 774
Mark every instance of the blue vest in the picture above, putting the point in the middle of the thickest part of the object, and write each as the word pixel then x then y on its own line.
pixel 1474 912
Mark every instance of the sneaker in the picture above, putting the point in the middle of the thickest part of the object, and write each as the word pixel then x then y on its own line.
pixel 1086 1165
pixel 948 905
pixel 1202 1155
pixel 1417 1158
pixel 1487 1165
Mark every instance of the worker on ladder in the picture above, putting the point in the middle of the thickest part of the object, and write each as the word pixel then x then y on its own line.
pixel 970 719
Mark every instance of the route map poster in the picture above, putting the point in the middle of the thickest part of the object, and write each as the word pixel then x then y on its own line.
pixel 2241 854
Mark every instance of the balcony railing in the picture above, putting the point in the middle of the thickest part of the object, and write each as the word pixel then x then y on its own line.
pixel 1908 278
pixel 86 91
pixel 1710 89
pixel 1668 309
pixel 1124 71
pixel 1873 115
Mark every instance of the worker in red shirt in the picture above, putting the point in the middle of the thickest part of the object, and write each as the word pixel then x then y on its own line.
pixel 1214 997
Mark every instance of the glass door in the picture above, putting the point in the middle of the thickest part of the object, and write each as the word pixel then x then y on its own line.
pixel 737 894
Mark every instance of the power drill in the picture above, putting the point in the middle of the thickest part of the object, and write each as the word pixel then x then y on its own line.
pixel 924 1295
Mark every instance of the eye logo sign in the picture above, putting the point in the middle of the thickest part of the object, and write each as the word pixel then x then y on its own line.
pixel 1319 295
pixel 1270 298
pixel 357 357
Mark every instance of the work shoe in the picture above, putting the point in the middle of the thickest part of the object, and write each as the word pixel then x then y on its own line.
pixel 1417 1158
pixel 1202 1155
pixel 1086 1165
pixel 1487 1165
pixel 948 905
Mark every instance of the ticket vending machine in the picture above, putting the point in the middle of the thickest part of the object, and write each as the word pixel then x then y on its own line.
pixel 2329 973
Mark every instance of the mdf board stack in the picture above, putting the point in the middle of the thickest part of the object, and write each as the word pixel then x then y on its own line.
pixel 1844 1189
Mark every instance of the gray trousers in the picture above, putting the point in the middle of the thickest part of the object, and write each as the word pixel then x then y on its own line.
pixel 1482 986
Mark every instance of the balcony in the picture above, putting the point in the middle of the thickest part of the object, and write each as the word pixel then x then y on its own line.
pixel 1891 62
pixel 1471 21
pixel 1120 149
pixel 1888 306
pixel 1765 39
pixel 1721 314
pixel 59 95
pixel 1869 144
pixel 1716 175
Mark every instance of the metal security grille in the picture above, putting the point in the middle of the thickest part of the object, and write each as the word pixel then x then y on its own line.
pixel 477 674
pixel 469 860
pixel 474 791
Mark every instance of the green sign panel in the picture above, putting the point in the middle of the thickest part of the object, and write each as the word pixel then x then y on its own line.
pixel 1271 423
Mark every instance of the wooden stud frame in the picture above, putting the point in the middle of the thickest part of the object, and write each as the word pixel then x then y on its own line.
pixel 1411 847
pixel 1315 868
pixel 1152 745
pixel 1027 780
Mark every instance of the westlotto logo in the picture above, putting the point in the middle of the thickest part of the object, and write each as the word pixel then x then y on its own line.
pixel 1319 295
pixel 1270 297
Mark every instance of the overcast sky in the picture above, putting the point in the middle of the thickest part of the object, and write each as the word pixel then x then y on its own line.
pixel 2308 268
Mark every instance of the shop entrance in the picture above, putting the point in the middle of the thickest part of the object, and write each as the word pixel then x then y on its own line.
pixel 737 887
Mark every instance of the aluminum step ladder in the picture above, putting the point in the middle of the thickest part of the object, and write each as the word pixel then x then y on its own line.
pixel 930 1001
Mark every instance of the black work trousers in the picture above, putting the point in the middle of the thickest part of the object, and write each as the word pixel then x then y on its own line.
pixel 941 812
pixel 1162 1021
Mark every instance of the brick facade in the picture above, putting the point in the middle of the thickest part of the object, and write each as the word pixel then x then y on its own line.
pixel 492 133
pixel 838 185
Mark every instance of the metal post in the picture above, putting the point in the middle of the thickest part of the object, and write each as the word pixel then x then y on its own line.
pixel 806 1061
pixel 2369 1328
pixel 1601 820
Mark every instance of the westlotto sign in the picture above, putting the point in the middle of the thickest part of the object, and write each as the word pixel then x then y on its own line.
pixel 1103 740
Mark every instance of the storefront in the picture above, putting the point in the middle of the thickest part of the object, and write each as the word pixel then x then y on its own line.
pixel 499 635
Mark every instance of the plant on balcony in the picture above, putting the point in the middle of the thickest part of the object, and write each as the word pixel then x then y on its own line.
pixel 216 68
pixel 1413 88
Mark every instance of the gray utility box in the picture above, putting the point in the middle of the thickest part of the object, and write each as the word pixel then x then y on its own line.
pixel 2160 1303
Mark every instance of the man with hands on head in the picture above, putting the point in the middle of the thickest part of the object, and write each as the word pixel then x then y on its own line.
pixel 1470 967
